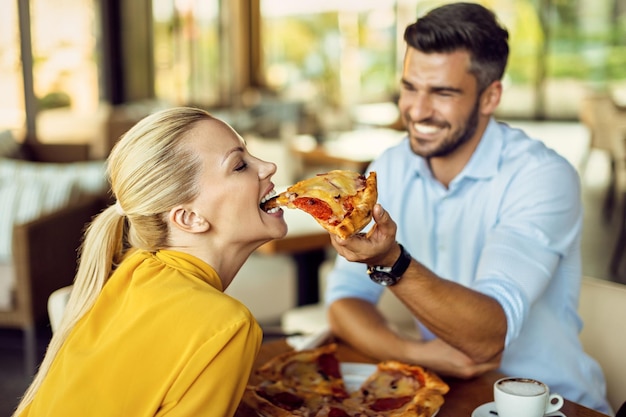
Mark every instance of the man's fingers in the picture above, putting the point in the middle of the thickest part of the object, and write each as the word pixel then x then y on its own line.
pixel 384 222
pixel 378 212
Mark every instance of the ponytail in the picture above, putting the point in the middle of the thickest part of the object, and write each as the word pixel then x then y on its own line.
pixel 101 250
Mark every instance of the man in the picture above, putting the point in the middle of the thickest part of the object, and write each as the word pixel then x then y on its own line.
pixel 480 223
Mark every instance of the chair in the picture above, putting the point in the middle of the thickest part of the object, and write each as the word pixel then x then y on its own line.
pixel 602 308
pixel 46 202
pixel 607 124
pixel 597 113
pixel 56 305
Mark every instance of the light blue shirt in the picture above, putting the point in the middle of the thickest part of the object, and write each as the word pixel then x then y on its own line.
pixel 508 226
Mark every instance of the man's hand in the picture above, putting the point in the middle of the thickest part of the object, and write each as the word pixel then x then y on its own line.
pixel 444 359
pixel 377 247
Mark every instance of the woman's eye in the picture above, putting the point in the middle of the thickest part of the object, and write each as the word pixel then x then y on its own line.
pixel 242 166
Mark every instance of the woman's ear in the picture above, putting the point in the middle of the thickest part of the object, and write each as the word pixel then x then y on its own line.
pixel 188 220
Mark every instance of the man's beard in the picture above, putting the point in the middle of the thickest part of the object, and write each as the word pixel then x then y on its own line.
pixel 452 143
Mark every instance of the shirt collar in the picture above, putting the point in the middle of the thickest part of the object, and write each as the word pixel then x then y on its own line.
pixel 190 264
pixel 484 162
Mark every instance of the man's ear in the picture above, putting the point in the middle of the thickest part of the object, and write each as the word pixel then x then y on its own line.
pixel 490 98
pixel 188 220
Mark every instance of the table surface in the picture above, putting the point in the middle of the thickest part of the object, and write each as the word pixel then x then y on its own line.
pixel 464 396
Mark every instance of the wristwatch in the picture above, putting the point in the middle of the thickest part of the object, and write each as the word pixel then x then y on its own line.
pixel 390 275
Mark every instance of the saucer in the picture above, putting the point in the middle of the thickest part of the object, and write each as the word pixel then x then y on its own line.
pixel 489 410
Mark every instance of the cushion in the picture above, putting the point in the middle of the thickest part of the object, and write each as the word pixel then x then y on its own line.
pixel 31 189
pixel 90 175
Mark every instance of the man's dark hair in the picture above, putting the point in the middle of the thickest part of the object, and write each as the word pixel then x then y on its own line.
pixel 465 26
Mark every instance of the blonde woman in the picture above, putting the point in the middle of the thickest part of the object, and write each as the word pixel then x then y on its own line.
pixel 148 330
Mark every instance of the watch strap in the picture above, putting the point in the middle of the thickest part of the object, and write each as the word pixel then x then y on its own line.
pixel 385 275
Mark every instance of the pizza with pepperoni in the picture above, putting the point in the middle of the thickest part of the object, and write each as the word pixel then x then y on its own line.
pixel 309 384
pixel 340 201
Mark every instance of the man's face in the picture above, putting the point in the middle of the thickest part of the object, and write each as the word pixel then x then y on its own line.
pixel 439 102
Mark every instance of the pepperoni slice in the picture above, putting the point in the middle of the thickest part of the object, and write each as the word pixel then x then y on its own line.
pixel 336 412
pixel 329 365
pixel 315 207
pixel 386 404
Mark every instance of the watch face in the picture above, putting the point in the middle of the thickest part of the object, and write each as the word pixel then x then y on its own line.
pixel 383 278
pixel 390 275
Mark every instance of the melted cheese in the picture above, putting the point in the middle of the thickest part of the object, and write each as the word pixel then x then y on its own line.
pixel 327 187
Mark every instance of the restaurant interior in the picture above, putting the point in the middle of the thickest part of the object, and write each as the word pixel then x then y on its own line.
pixel 311 86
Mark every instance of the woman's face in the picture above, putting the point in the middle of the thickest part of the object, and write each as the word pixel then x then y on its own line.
pixel 232 184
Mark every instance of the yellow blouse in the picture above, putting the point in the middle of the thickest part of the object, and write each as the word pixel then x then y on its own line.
pixel 161 340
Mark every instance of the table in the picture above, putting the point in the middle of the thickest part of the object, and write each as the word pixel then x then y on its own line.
pixel 464 396
pixel 353 150
pixel 306 242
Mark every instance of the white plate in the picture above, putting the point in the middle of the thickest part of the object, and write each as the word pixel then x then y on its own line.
pixel 354 374
pixel 489 410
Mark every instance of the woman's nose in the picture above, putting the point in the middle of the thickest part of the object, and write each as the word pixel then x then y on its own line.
pixel 267 169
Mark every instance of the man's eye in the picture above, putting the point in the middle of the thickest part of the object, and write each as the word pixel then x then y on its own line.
pixel 241 167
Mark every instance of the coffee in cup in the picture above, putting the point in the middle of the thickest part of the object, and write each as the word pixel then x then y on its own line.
pixel 524 397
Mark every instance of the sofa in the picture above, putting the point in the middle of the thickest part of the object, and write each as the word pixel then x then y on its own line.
pixel 48 193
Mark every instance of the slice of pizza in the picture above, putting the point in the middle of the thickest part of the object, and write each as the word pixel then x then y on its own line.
pixel 400 390
pixel 298 383
pixel 312 370
pixel 343 409
pixel 340 201
pixel 274 399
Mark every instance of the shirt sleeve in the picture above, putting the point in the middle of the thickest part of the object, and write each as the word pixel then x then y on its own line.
pixel 540 221
pixel 350 280
pixel 214 380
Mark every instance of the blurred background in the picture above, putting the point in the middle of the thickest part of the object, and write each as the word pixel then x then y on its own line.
pixel 62 61
pixel 310 85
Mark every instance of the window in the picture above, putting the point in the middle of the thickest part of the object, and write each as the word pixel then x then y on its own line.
pixel 65 68
pixel 343 53
pixel 335 52
pixel 62 66
pixel 187 51
pixel 12 114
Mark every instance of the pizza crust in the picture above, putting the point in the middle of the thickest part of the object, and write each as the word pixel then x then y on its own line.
pixel 362 213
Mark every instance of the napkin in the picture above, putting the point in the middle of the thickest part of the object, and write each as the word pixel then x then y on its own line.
pixel 309 341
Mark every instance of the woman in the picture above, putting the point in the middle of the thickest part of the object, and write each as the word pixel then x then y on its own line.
pixel 148 330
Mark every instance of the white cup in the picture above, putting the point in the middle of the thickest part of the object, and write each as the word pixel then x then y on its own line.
pixel 524 397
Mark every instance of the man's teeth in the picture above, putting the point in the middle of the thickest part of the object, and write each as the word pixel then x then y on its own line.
pixel 273 210
pixel 268 196
pixel 425 129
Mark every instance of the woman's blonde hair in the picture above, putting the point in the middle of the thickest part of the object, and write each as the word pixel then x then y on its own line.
pixel 150 170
